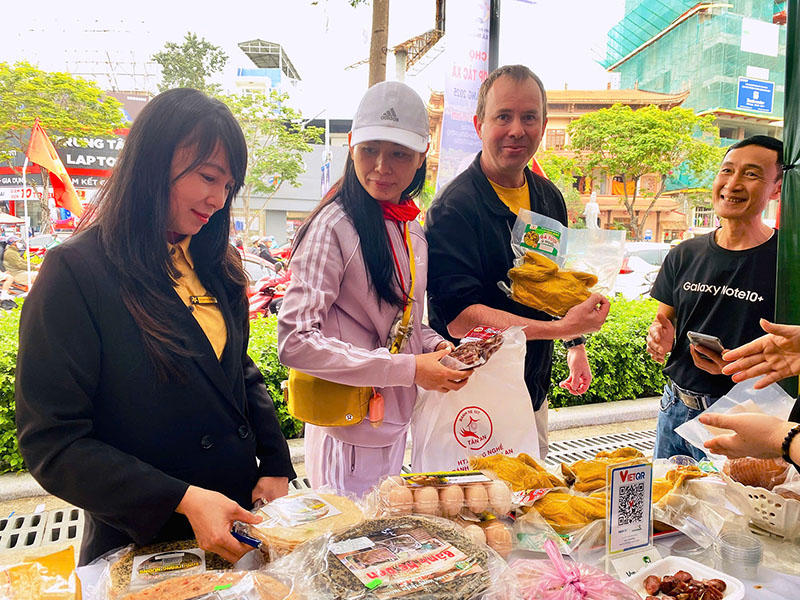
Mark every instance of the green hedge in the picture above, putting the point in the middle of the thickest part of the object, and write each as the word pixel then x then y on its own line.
pixel 10 458
pixel 622 369
pixel 263 349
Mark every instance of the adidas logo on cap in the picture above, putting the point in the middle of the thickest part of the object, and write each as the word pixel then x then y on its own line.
pixel 390 115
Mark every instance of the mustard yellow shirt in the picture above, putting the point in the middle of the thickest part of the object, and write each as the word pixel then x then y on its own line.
pixel 513 198
pixel 208 316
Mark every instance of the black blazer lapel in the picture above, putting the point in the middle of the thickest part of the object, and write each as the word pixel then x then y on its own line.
pixel 202 351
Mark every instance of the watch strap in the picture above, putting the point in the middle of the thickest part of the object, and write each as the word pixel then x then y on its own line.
pixel 574 342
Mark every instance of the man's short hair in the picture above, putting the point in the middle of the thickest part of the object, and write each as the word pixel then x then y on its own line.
pixel 517 73
pixel 765 141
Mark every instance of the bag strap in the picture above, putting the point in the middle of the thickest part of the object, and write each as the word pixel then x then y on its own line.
pixel 402 331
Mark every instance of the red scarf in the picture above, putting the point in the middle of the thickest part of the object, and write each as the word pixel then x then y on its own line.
pixel 405 210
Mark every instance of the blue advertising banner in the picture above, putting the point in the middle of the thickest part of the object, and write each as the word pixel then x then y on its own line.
pixel 468 60
pixel 755 95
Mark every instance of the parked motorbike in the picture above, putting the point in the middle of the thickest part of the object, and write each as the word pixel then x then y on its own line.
pixel 269 292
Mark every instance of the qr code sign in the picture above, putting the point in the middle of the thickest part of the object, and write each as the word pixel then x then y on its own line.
pixel 630 506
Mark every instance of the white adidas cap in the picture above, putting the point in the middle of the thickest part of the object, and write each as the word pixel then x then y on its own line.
pixel 391 111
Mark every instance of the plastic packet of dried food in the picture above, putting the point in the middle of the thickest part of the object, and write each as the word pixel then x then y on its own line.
pixel 598 252
pixel 296 518
pixel 554 579
pixel 400 556
pixel 219 585
pixel 475 348
pixel 47 577
pixel 742 398
pixel 131 567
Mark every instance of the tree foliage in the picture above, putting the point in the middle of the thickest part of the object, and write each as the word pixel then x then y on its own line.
pixel 276 141
pixel 190 64
pixel 562 170
pixel 631 144
pixel 66 106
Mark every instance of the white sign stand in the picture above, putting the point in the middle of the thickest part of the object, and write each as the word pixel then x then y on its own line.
pixel 629 517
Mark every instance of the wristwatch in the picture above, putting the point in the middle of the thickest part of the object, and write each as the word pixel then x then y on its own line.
pixel 572 343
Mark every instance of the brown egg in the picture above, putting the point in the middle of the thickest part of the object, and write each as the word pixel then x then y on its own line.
pixel 400 500
pixel 498 537
pixel 476 533
pixel 451 499
pixel 388 484
pixel 499 497
pixel 426 501
pixel 476 497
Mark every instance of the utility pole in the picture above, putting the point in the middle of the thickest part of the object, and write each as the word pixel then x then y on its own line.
pixel 378 41
pixel 494 34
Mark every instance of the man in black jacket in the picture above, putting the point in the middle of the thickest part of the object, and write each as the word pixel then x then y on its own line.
pixel 469 238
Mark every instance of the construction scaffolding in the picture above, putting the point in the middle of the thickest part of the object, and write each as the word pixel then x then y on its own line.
pixel 670 46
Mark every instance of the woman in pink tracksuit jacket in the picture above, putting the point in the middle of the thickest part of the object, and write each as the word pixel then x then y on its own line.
pixel 350 282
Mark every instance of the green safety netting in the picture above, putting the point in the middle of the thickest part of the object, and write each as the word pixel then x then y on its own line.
pixel 700 52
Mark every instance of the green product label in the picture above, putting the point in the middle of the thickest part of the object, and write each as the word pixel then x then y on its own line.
pixel 542 239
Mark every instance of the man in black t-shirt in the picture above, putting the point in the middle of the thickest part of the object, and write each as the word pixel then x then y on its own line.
pixel 719 284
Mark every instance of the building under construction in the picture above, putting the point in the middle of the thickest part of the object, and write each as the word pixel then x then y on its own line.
pixel 730 56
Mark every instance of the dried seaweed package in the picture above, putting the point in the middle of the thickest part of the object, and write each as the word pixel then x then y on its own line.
pixel 408 556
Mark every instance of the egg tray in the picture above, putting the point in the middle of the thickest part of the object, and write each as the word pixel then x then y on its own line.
pixel 770 511
pixel 444 499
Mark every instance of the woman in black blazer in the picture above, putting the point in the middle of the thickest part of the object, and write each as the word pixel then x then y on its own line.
pixel 136 399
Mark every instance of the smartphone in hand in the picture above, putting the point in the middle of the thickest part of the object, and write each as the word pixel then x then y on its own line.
pixel 711 342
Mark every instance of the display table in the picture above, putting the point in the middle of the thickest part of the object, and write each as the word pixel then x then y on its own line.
pixel 768 585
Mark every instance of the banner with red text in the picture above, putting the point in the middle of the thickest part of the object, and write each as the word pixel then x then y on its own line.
pixel 468 61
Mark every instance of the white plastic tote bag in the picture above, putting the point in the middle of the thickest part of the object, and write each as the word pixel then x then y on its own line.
pixel 492 414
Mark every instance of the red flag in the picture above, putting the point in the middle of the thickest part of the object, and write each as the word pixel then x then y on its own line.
pixel 42 152
pixel 537 168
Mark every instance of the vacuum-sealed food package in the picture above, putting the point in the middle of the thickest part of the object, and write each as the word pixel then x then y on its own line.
pixel 291 520
pixel 217 585
pixel 475 349
pixel 407 556
pixel 557 268
pixel 47 577
pixel 132 568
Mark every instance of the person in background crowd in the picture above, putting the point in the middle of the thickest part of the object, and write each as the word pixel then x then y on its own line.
pixel 15 266
pixel 469 232
pixel 713 281
pixel 351 283
pixel 136 399
pixel 264 247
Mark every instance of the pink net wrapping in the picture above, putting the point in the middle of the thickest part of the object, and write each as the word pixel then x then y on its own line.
pixel 554 579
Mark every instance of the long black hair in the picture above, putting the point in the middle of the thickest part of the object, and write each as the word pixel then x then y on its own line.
pixel 367 218
pixel 131 213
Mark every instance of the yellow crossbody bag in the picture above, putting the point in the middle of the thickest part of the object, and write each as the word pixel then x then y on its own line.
pixel 328 404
